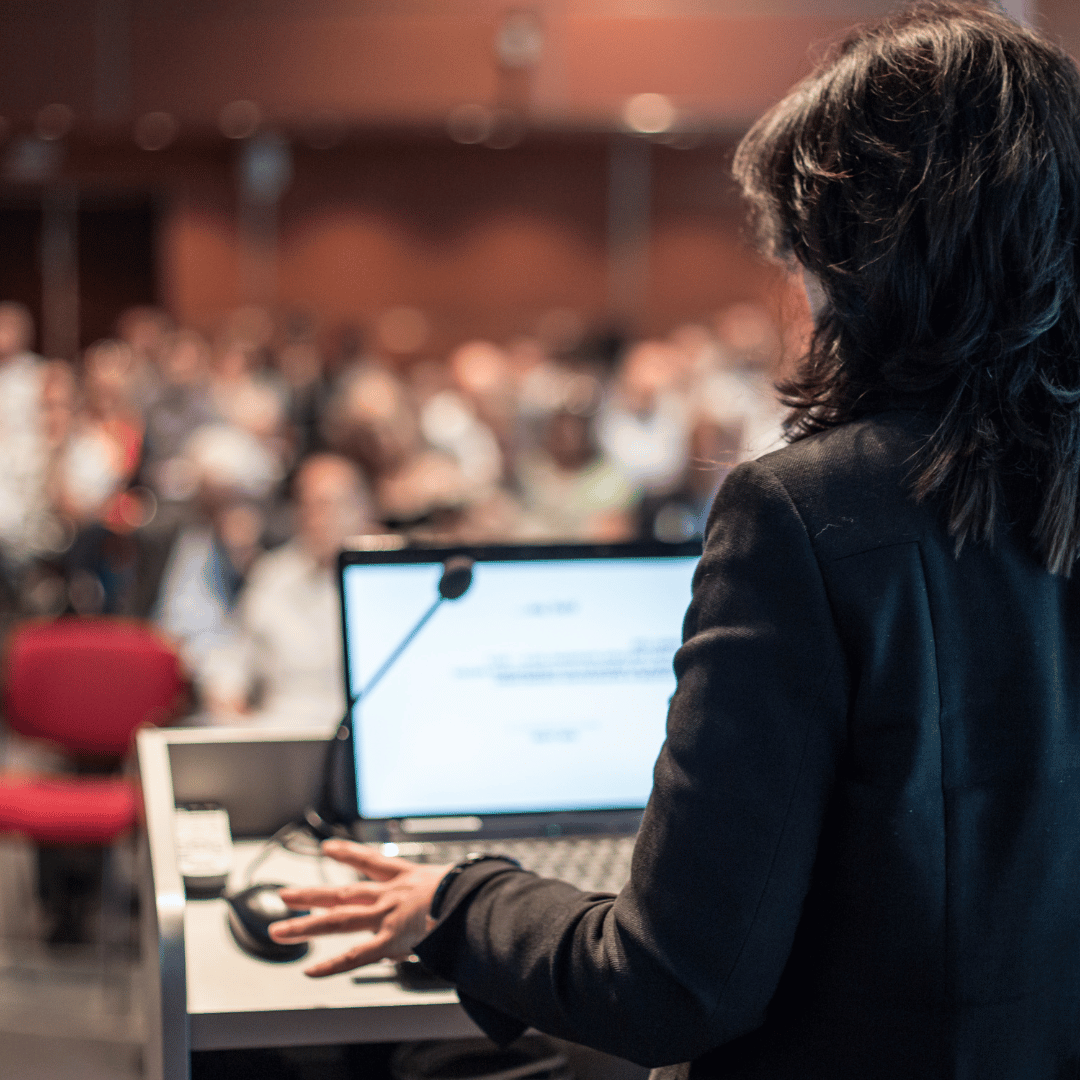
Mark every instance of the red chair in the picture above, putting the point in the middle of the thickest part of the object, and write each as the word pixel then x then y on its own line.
pixel 84 685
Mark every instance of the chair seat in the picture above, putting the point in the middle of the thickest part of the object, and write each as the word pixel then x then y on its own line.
pixel 71 810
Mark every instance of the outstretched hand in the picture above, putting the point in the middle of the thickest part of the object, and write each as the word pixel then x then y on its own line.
pixel 393 905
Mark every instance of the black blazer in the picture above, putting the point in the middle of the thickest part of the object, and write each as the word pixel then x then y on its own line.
pixel 861 857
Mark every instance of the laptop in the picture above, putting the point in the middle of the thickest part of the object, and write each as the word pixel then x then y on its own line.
pixel 529 710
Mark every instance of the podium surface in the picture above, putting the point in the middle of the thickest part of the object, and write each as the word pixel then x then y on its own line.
pixel 204 992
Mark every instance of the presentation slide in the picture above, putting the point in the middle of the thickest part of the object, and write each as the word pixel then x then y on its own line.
pixel 545 687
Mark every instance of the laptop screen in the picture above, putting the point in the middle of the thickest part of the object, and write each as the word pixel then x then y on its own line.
pixel 543 688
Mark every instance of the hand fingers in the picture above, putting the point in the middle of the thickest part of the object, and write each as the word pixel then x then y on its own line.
pixel 338 920
pixel 377 948
pixel 331 895
pixel 366 859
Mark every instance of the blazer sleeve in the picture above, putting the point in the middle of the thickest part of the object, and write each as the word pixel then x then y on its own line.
pixel 689 954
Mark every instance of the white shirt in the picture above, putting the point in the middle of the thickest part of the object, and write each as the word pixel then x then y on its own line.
pixel 744 399
pixel 23 458
pixel 289 616
pixel 650 451
pixel 192 605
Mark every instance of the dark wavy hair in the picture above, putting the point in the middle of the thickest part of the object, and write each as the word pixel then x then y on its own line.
pixel 928 174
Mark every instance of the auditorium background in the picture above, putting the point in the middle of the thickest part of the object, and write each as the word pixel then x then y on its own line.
pixel 277 273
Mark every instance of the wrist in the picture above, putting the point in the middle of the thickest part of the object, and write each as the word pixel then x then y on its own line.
pixel 438 899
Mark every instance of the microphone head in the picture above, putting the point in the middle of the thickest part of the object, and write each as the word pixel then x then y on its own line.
pixel 456 578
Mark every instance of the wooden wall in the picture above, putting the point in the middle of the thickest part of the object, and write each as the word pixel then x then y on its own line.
pixel 483 240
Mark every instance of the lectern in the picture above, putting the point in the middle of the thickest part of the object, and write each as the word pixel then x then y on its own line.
pixel 203 992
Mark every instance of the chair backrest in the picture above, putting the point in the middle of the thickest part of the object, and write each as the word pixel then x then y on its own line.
pixel 88 683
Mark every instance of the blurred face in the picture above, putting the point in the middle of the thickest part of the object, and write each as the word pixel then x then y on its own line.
pixel 107 378
pixel 299 362
pixel 187 360
pixel 384 430
pixel 239 525
pixel 650 369
pixel 234 361
pixel 568 442
pixel 145 331
pixel 480 369
pixel 330 507
pixel 15 330
pixel 750 335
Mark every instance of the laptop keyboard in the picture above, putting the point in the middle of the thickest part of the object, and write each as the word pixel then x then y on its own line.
pixel 592 863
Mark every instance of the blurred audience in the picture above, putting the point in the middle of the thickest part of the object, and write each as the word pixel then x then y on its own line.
pixel 375 420
pixel 233 476
pixel 23 450
pixel 95 461
pixel 644 422
pixel 208 486
pixel 573 490
pixel 184 404
pixel 284 667
pixel 734 382
pixel 304 377
pixel 101 453
pixel 146 331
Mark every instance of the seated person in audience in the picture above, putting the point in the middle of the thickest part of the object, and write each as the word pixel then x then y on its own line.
pixel 682 514
pixel 450 423
pixel 183 405
pixel 91 471
pixel 482 373
pixel 570 489
pixel 736 389
pixel 373 420
pixel 104 445
pixel 299 364
pixel 644 422
pixel 209 556
pixel 147 331
pixel 23 450
pixel 243 392
pixel 285 666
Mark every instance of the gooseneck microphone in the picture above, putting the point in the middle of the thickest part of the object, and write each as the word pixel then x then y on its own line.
pixel 322 817
pixel 454 584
